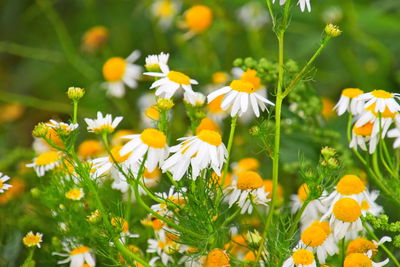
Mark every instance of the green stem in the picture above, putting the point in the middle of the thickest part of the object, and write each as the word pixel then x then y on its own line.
pixel 230 218
pixel 75 115
pixel 296 221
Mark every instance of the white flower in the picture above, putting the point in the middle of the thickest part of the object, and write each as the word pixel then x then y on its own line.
pixel 198 98
pixel 62 126
pixel 171 196
pixel 165 11
pixel 300 258
pixel 363 134
pixel 201 151
pixel 248 189
pixel 356 259
pixel 32 240
pixel 150 141
pixel 171 81
pixel 154 61
pixel 381 100
pixel 302 3
pixel 3 185
pixel 395 133
pixel 77 257
pixel 381 121
pixel 45 162
pixel 238 96
pixel 350 101
pixel 118 71
pixel 102 124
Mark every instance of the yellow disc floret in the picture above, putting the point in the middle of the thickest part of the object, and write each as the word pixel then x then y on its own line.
pixel 248 164
pixel 153 138
pixel 303 256
pixel 314 235
pixel 178 77
pixel 347 210
pixel 249 180
pixel 31 240
pixel 210 137
pixel 165 9
pixel 242 86
pixel 215 105
pixel 90 149
pixel 360 245
pixel 217 258
pixel 381 94
pixel 79 250
pixel 114 69
pixel 352 92
pixel 198 18
pixel 207 124
pixel 74 194
pixel 152 112
pixel 350 185
pixel 250 76
pixel 357 260
pixel 47 158
pixel 364 130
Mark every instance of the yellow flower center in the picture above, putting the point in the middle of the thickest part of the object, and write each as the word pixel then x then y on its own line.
pixel 248 164
pixel 89 148
pixel 95 37
pixel 31 240
pixel 314 235
pixel 104 128
pixel 153 138
pixel 350 185
pixel 79 250
pixel 114 69
pixel 251 76
pixel 165 9
pixel 74 194
pixel 152 113
pixel 357 260
pixel 215 105
pixel 151 175
pixel 364 130
pixel 178 77
pixel 220 77
pixel 385 114
pixel 365 205
pixel 303 256
pixel 47 158
pixel 210 137
pixel 352 92
pixel 302 192
pixel 115 152
pixel 217 258
pixel 360 245
pixel 1 184
pixel 198 18
pixel 347 210
pixel 207 124
pixel 242 86
pixel 381 94
pixel 249 180
pixel 268 188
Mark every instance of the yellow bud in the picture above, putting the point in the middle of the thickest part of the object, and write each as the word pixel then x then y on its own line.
pixel 165 104
pixel 75 93
pixel 332 30
pixel 40 130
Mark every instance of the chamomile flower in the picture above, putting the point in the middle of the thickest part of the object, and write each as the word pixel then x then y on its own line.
pixel 217 258
pixel 370 205
pixel 382 100
pixel 118 72
pixel 165 11
pixel 94 39
pixel 164 247
pixel 207 124
pixel 362 135
pixel 245 164
pixel 198 19
pixel 104 164
pixel 200 152
pixel 75 194
pixel 32 240
pixel 350 101
pixel 300 258
pixel 395 133
pixel 172 196
pixel 344 217
pixel 67 128
pixel 102 124
pixel 302 3
pixel 196 97
pixel 90 149
pixel 45 162
pixel 77 257
pixel 150 141
pixel 318 239
pixel 238 96
pixel 215 111
pixel 153 62
pixel 246 189
pixel 3 185
pixel 362 245
pixel 361 259
pixel 170 81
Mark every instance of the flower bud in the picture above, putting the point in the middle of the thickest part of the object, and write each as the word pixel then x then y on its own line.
pixel 165 103
pixel 332 30
pixel 40 130
pixel 328 152
pixel 75 93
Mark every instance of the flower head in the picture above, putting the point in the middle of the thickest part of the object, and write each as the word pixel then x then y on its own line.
pixel 102 124
pixel 32 240
pixel 3 185
pixel 198 18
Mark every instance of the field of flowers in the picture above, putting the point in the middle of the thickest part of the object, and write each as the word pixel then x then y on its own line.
pixel 208 133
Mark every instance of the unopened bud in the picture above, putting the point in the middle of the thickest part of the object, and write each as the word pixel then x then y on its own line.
pixel 165 103
pixel 328 152
pixel 40 130
pixel 75 93
pixel 332 30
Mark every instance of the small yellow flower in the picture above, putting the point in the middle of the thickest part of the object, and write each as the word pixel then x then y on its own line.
pixel 31 239
pixel 94 38
pixel 198 18
pixel 332 30
pixel 75 194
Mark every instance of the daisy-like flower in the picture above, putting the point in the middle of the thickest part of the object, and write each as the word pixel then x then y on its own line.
pixel 314 209
pixel 153 62
pixel 171 196
pixel 395 133
pixel 360 259
pixel 198 19
pixel 302 3
pixel 105 164
pixel 217 257
pixel 77 257
pixel 363 134
pixel 362 245
pixel 382 100
pixel 3 185
pixel 102 124
pixel 369 205
pixel 300 258
pixel 246 189
pixel 118 72
pixel 45 162
pixel 350 101
pixel 94 38
pixel 245 164
pixel 65 127
pixel 318 239
pixel 253 15
pixel 201 151
pixel 197 97
pixel 215 111
pixel 170 81
pixel 238 96
pixel 164 247
pixel 75 194
pixel 32 240
pixel 344 217
pixel 150 141
pixel 165 11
